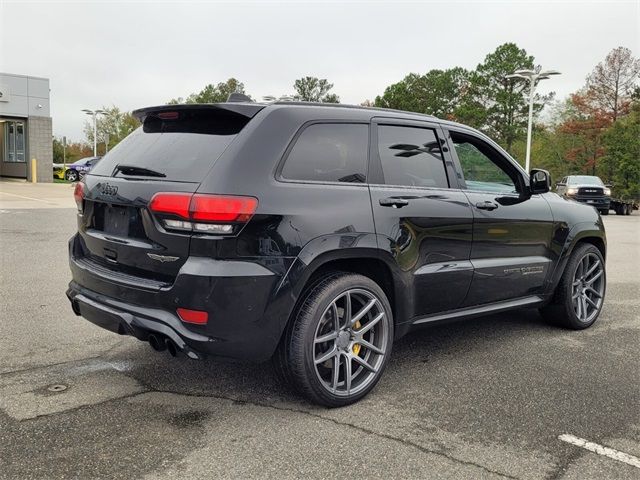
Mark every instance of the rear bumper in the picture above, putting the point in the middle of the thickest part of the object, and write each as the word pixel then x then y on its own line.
pixel 237 295
pixel 136 321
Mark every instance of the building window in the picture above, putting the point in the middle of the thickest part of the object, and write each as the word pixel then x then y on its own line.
pixel 14 141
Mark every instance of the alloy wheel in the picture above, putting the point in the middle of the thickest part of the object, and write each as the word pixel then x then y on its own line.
pixel 587 292
pixel 350 342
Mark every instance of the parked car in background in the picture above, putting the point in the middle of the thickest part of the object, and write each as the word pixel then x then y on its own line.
pixel 76 170
pixel 586 189
pixel 317 234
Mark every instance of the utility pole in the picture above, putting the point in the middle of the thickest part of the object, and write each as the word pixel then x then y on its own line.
pixel 94 114
pixel 534 76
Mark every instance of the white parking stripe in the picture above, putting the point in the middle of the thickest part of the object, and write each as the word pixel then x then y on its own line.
pixel 28 198
pixel 600 450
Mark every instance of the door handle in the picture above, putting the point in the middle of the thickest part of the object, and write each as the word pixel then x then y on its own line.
pixel 393 202
pixel 486 205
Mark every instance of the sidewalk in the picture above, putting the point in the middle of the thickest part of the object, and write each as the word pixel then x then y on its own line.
pixel 23 195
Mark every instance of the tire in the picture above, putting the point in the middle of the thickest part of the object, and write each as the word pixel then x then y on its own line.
pixel 576 279
pixel 362 350
pixel 604 212
pixel 71 175
pixel 627 209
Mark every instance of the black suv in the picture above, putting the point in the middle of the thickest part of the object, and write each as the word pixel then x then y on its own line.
pixel 316 234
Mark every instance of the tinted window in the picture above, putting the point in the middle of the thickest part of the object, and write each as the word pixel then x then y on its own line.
pixel 183 147
pixel 411 156
pixel 329 152
pixel 480 166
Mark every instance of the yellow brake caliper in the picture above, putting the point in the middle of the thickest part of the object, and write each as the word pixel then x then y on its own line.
pixel 356 346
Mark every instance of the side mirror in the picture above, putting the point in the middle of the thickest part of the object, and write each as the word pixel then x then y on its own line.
pixel 609 185
pixel 539 181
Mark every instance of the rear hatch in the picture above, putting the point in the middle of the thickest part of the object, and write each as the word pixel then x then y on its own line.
pixel 172 151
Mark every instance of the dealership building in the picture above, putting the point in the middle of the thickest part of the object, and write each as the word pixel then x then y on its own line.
pixel 25 127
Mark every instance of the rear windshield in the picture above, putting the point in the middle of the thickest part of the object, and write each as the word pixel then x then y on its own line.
pixel 181 146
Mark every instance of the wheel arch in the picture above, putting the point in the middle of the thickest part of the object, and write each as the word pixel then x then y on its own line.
pixel 328 254
pixel 581 233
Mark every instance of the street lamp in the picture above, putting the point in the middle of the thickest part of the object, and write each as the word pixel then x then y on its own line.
pixel 534 76
pixel 94 114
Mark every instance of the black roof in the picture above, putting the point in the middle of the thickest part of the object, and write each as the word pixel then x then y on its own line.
pixel 250 109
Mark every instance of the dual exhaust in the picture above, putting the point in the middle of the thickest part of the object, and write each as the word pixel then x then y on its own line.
pixel 160 343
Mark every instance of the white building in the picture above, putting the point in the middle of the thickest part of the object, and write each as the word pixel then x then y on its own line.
pixel 25 127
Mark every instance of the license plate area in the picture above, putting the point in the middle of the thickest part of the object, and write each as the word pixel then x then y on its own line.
pixel 118 220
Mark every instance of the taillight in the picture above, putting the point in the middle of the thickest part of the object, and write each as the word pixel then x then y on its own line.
pixel 214 214
pixel 78 195
pixel 193 316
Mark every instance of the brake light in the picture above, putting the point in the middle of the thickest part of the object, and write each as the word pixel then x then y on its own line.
pixel 78 195
pixel 193 316
pixel 172 203
pixel 223 208
pixel 214 214
pixel 168 115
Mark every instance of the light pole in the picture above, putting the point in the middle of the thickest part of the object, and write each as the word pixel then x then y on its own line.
pixel 94 114
pixel 534 76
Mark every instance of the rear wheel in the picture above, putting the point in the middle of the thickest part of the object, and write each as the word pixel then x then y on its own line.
pixel 580 294
pixel 627 209
pixel 340 340
pixel 604 212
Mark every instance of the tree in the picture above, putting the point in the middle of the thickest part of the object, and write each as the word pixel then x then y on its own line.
pixel 622 145
pixel 585 125
pixel 212 93
pixel 495 104
pixel 612 82
pixel 438 92
pixel 313 89
pixel 74 151
pixel 112 127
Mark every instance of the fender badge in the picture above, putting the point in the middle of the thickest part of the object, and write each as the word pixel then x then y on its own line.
pixel 162 258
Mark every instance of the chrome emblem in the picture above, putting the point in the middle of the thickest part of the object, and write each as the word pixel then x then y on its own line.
pixel 107 189
pixel 162 258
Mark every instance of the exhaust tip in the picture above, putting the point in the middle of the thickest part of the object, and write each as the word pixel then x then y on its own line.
pixel 156 343
pixel 172 348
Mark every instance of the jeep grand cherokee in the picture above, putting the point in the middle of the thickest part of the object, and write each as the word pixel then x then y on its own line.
pixel 316 235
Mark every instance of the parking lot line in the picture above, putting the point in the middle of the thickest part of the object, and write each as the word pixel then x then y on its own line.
pixel 25 197
pixel 601 450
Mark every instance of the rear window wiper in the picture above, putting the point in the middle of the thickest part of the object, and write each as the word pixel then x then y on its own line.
pixel 133 170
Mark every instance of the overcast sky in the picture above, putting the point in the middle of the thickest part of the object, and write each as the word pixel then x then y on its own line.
pixel 139 54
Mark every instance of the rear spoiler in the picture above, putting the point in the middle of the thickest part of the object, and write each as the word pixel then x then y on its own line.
pixel 248 110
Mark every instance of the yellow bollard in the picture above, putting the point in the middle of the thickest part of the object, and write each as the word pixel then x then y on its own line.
pixel 34 171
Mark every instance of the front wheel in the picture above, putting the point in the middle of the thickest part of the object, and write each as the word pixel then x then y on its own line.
pixel 580 294
pixel 604 212
pixel 71 175
pixel 340 340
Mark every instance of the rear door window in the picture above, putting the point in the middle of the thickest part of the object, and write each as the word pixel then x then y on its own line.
pixel 411 156
pixel 329 152
pixel 180 146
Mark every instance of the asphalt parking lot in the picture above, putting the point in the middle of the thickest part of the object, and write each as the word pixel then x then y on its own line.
pixel 486 398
